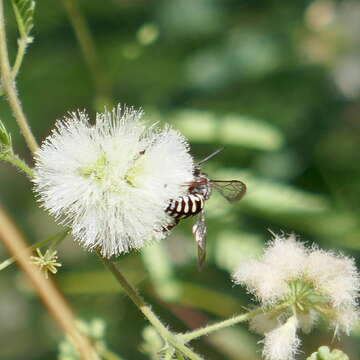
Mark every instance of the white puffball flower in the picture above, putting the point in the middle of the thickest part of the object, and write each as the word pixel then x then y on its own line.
pixel 277 254
pixel 268 277
pixel 334 275
pixel 290 281
pixel 112 181
pixel 282 343
pixel 286 259
pixel 345 318
pixel 267 286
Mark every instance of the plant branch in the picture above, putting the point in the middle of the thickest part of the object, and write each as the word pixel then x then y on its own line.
pixel 148 313
pixel 46 289
pixel 234 320
pixel 10 88
pixel 21 164
pixel 220 325
pixel 19 57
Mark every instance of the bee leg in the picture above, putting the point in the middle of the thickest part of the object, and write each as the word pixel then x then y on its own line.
pixel 170 226
pixel 199 230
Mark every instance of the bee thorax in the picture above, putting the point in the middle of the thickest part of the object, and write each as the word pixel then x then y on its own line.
pixel 203 190
pixel 201 186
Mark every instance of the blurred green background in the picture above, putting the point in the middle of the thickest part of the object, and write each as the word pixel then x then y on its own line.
pixel 276 82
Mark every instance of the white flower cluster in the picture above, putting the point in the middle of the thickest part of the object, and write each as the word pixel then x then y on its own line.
pixel 111 181
pixel 295 285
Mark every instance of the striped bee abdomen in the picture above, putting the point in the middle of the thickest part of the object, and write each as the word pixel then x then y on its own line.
pixel 185 206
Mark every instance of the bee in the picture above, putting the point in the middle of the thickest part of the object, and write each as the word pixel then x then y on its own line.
pixel 191 204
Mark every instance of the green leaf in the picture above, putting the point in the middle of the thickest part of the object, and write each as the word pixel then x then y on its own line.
pixel 324 353
pixel 230 129
pixel 276 198
pixel 251 133
pixel 24 13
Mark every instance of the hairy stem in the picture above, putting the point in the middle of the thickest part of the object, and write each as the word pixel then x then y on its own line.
pixel 21 164
pixel 220 325
pixel 148 313
pixel 47 291
pixel 10 88
pixel 19 57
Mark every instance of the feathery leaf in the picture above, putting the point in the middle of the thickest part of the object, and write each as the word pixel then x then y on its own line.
pixel 24 13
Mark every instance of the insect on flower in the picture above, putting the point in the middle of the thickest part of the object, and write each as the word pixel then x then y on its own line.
pixel 106 180
pixel 200 190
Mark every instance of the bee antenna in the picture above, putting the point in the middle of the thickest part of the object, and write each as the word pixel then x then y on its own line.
pixel 210 156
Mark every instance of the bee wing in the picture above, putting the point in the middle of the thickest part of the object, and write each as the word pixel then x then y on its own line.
pixel 232 190
pixel 199 230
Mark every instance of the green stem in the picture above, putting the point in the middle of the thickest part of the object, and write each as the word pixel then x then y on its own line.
pixel 21 164
pixel 10 88
pixel 57 241
pixel 220 325
pixel 19 57
pixel 58 237
pixel 147 312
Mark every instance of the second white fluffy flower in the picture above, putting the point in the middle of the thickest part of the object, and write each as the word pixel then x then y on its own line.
pixel 111 182
pixel 295 285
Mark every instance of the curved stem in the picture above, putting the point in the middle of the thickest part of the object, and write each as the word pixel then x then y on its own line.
pixel 234 320
pixel 10 89
pixel 21 164
pixel 148 313
pixel 19 57
pixel 220 325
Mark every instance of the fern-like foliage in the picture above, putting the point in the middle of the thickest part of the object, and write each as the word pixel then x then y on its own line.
pixel 24 13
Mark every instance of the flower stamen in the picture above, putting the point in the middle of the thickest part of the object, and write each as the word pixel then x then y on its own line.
pixel 47 262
